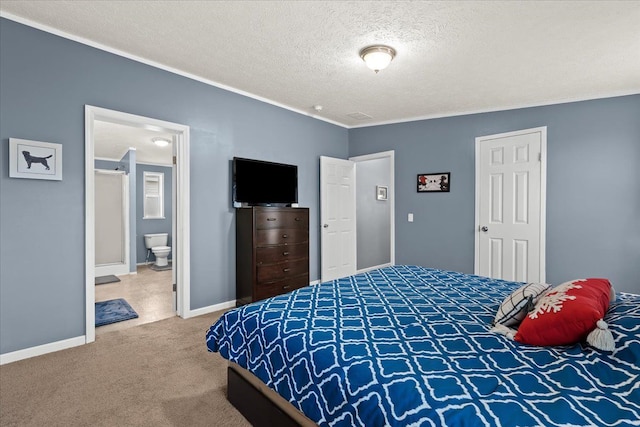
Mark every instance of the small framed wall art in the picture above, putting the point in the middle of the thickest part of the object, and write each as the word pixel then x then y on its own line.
pixel 434 182
pixel 381 192
pixel 35 159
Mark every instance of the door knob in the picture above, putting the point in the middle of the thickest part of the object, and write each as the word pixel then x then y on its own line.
pixel 484 228
pixel 326 226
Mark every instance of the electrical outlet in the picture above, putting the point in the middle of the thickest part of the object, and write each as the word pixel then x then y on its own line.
pixel 410 217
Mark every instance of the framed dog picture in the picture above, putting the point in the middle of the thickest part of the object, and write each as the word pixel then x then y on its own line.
pixel 35 159
pixel 434 182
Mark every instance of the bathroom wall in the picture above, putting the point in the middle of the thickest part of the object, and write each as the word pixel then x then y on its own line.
pixel 149 226
pixel 138 226
pixel 111 165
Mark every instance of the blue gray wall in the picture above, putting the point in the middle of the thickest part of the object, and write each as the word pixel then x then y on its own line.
pixel 593 186
pixel 149 226
pixel 45 83
pixel 373 216
pixel 111 165
pixel 593 195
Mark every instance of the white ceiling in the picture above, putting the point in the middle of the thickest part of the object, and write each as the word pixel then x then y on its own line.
pixel 454 57
pixel 112 141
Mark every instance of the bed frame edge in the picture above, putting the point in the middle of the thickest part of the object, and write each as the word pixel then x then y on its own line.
pixel 257 403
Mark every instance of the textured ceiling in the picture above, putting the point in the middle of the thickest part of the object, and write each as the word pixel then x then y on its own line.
pixel 454 57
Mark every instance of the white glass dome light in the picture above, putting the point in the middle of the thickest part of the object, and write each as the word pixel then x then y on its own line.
pixel 161 142
pixel 377 57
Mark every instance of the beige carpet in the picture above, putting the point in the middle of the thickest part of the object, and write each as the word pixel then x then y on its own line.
pixel 158 374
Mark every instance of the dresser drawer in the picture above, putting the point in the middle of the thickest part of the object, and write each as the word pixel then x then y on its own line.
pixel 268 219
pixel 271 254
pixel 272 251
pixel 281 287
pixel 281 236
pixel 282 270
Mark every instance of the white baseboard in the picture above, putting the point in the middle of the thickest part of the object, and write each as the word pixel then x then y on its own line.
pixel 41 349
pixel 223 305
pixel 74 342
pixel 210 309
pixel 375 267
pixel 150 263
pixel 131 273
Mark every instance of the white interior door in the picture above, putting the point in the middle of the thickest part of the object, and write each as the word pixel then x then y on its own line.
pixel 337 218
pixel 510 208
pixel 112 220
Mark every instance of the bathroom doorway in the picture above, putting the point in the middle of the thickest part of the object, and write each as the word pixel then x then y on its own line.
pixel 134 268
pixel 158 205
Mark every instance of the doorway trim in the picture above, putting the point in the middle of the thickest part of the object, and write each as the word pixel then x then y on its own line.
pixel 182 242
pixel 543 195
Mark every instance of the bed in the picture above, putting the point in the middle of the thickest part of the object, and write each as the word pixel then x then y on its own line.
pixel 409 345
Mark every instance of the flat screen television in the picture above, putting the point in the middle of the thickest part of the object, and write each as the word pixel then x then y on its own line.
pixel 260 183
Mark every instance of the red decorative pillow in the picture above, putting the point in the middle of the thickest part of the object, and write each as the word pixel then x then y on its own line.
pixel 567 314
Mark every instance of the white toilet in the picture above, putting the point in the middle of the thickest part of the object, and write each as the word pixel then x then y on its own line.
pixel 158 245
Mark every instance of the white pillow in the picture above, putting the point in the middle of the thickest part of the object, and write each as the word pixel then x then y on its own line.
pixel 516 306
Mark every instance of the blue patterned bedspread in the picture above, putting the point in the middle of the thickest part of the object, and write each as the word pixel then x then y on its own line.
pixel 409 345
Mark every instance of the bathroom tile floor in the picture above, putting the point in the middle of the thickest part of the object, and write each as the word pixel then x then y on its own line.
pixel 149 293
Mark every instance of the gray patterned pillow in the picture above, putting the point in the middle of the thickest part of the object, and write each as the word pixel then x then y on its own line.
pixel 516 306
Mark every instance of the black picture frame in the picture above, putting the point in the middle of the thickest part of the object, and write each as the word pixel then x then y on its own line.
pixel 381 192
pixel 439 182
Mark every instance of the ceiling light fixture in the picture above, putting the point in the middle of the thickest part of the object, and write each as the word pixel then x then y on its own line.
pixel 377 57
pixel 161 142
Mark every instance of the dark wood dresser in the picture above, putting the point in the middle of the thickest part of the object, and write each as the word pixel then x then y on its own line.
pixel 272 252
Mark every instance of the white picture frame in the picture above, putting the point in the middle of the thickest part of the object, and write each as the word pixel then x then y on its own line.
pixel 35 159
pixel 381 192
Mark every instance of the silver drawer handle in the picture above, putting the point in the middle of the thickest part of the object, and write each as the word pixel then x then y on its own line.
pixel 298 219
pixel 286 286
pixel 271 219
pixel 286 270
pixel 285 253
pixel 284 236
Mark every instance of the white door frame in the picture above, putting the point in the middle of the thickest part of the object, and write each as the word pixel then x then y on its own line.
pixel 391 199
pixel 120 268
pixel 174 225
pixel 182 240
pixel 543 195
